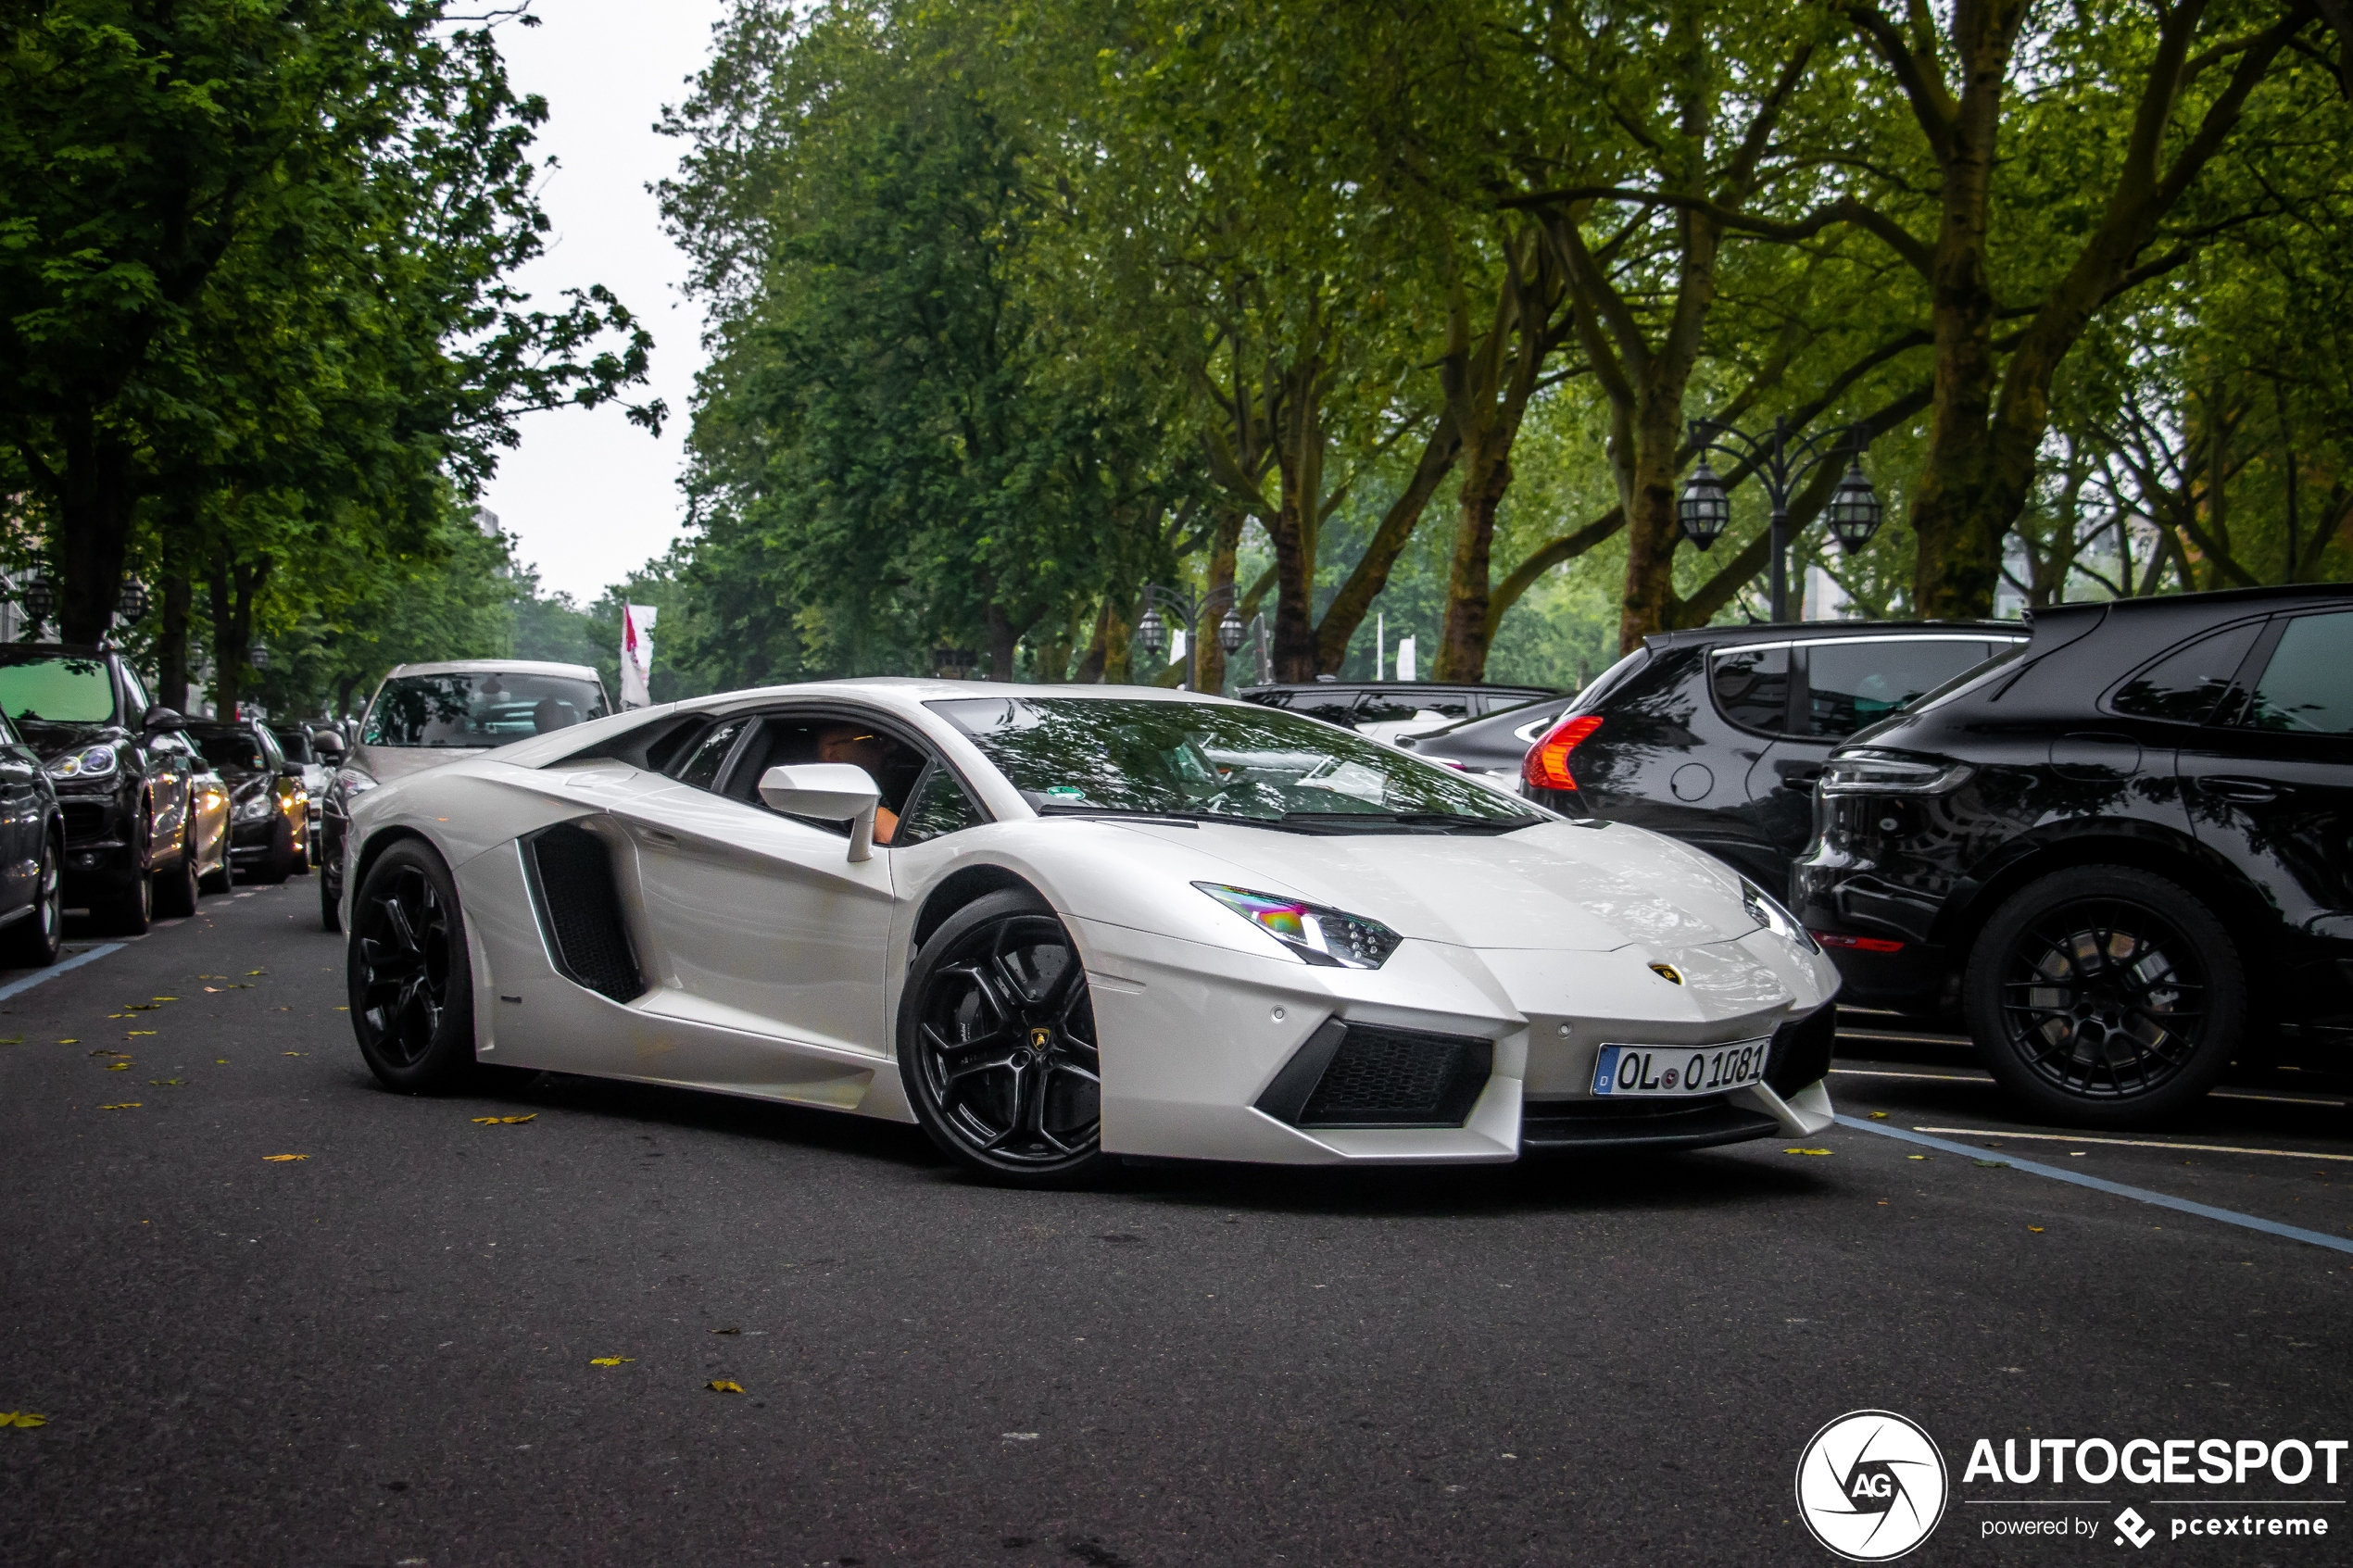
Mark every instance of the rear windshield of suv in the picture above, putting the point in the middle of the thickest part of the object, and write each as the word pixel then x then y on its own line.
pixel 57 691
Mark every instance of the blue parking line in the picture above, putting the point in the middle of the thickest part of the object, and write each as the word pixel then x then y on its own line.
pixel 38 975
pixel 2163 1201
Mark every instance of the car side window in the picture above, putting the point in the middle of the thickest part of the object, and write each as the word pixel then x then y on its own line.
pixel 2184 685
pixel 1336 707
pixel 1850 686
pixel 940 806
pixel 1752 687
pixel 2306 687
pixel 699 764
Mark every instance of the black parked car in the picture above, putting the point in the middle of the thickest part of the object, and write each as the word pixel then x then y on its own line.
pixel 124 780
pixel 1384 709
pixel 2125 852
pixel 32 854
pixel 269 808
pixel 1494 746
pixel 1715 737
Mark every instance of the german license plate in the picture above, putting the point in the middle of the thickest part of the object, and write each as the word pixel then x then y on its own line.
pixel 1627 1072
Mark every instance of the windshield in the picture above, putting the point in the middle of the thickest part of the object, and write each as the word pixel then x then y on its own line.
pixel 1203 760
pixel 478 709
pixel 57 691
pixel 235 749
pixel 296 743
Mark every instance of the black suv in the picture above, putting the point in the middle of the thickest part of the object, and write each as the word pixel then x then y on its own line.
pixel 1716 735
pixel 269 808
pixel 2125 851
pixel 123 778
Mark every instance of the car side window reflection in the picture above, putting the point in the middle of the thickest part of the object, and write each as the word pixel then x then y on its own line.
pixel 2304 687
pixel 1850 686
pixel 941 805
pixel 700 765
pixel 1752 687
pixel 2184 687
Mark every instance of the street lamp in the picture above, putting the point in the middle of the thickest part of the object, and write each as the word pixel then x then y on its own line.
pixel 134 602
pixel 259 656
pixel 1188 610
pixel 38 597
pixel 1783 462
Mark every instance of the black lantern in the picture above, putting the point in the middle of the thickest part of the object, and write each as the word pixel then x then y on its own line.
pixel 134 602
pixel 40 598
pixel 1704 510
pixel 1853 509
pixel 1229 631
pixel 258 656
pixel 954 663
pixel 1152 633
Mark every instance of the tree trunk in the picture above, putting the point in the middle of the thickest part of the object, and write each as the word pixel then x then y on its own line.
pixel 1653 529
pixel 1463 637
pixel 229 634
pixel 172 646
pixel 1002 637
pixel 1300 459
pixel 1209 657
pixel 99 485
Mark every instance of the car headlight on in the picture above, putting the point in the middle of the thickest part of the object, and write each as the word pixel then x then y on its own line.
pixel 1766 912
pixel 1333 938
pixel 351 780
pixel 96 762
pixel 1892 773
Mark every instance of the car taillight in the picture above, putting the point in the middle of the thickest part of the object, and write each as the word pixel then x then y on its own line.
pixel 1857 944
pixel 1546 765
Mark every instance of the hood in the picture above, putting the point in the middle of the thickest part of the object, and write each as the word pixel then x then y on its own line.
pixel 1557 885
pixel 386 763
pixel 52 738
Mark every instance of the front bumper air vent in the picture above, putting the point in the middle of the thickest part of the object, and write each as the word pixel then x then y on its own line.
pixel 1370 1075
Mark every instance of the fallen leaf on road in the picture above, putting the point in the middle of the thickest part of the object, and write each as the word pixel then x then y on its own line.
pixel 609 1360
pixel 1806 1151
pixel 338 1010
pixel 117 1067
pixel 132 1032
pixel 167 1083
pixel 724 1386
pixel 281 1158
pixel 1916 1157
pixel 11 1039
pixel 126 1105
pixel 504 1121
pixel 68 1042
pixel 2036 1229
pixel 165 998
pixel 22 1418
pixel 139 1007
pixel 257 972
pixel 1879 1115
pixel 293 1053
pixel 109 1053
pixel 726 1331
pixel 221 1061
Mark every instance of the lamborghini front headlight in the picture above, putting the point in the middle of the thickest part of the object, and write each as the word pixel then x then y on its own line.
pixel 1312 932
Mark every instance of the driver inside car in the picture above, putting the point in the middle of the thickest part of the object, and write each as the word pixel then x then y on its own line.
pixel 864 748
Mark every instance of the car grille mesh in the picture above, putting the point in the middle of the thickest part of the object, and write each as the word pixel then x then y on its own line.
pixel 86 820
pixel 580 910
pixel 1398 1077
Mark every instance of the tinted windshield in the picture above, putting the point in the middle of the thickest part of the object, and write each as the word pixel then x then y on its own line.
pixel 296 743
pixel 235 750
pixel 59 691
pixel 1203 760
pixel 478 709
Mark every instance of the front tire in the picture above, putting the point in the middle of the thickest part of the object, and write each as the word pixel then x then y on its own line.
pixel 997 1046
pixel 2106 997
pixel 35 941
pixel 411 985
pixel 176 891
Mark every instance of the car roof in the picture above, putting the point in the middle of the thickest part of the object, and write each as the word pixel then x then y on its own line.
pixel 494 666
pixel 1813 630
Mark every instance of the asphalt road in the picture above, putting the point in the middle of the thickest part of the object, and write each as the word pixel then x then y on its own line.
pixel 386 1352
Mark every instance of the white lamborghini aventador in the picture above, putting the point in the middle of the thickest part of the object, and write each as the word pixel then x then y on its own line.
pixel 1059 925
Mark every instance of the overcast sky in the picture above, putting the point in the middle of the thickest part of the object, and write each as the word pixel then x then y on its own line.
pixel 588 494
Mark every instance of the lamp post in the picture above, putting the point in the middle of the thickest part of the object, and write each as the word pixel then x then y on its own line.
pixel 1187 609
pixel 1783 462
pixel 39 596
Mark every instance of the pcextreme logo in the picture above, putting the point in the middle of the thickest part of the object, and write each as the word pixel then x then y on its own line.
pixel 1871 1485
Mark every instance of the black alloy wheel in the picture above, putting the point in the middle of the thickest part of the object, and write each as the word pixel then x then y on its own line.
pixel 34 941
pixel 997 1045
pixel 411 986
pixel 2106 997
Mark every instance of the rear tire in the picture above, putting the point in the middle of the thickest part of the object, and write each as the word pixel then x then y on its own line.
pixel 2106 997
pixel 35 941
pixel 411 985
pixel 176 890
pixel 997 1046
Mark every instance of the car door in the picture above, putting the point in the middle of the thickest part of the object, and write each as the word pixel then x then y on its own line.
pixel 760 922
pixel 21 810
pixel 2268 782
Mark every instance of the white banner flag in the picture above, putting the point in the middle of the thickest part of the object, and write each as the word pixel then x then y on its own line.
pixel 637 655
pixel 1406 648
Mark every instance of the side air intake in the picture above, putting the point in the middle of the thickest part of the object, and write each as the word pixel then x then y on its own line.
pixel 1368 1076
pixel 570 870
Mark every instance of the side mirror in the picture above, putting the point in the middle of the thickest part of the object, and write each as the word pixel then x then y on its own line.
pixel 326 743
pixel 290 771
pixel 162 718
pixel 831 792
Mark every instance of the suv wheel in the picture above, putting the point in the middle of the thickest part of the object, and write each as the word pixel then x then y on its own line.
pixel 2106 997
pixel 176 892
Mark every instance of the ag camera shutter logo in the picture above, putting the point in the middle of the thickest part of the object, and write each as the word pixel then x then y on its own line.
pixel 1871 1485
